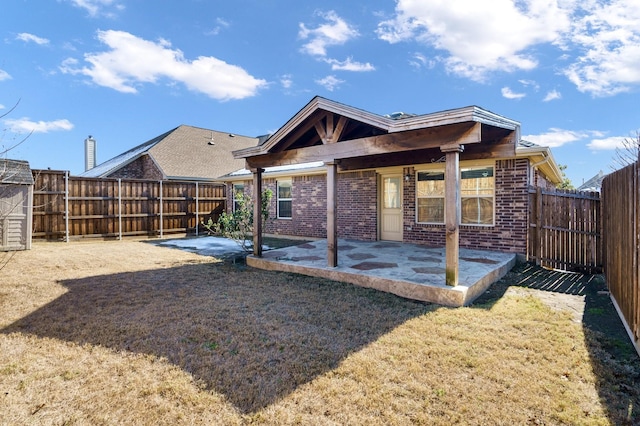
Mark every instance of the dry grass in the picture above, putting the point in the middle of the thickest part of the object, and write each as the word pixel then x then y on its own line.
pixel 132 333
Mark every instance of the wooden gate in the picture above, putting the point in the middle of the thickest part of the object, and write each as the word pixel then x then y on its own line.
pixel 565 230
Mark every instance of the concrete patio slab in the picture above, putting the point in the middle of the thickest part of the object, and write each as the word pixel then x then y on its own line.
pixel 407 270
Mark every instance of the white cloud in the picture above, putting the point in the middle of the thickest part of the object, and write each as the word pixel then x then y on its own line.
pixel 557 137
pixel 336 31
pixel 286 81
pixel 132 61
pixel 4 75
pixel 98 7
pixel 608 35
pixel 611 143
pixel 510 94
pixel 221 24
pixel 349 65
pixel 25 125
pixel 330 82
pixel 26 37
pixel 552 95
pixel 477 38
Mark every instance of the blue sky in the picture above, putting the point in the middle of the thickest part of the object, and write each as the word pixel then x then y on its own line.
pixel 126 71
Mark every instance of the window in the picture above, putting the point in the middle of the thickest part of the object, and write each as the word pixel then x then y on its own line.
pixel 477 193
pixel 430 195
pixel 477 189
pixel 238 194
pixel 284 199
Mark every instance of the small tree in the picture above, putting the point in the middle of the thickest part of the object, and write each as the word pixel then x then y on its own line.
pixel 566 182
pixel 238 225
pixel 629 152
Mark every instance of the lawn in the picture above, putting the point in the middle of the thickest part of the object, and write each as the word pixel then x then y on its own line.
pixel 133 333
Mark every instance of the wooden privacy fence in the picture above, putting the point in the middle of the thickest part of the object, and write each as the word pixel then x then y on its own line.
pixel 565 230
pixel 69 206
pixel 621 224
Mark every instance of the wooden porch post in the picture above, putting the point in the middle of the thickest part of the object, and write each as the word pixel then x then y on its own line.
pixel 257 211
pixel 332 210
pixel 452 212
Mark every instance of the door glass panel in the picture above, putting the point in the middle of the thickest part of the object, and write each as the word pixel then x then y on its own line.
pixel 391 187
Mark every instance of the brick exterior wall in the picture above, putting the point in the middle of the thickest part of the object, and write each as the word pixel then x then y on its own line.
pixel 357 199
pixel 508 234
pixel 141 168
pixel 358 217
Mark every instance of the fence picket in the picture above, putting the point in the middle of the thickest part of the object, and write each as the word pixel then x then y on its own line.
pixel 565 230
pixel 120 207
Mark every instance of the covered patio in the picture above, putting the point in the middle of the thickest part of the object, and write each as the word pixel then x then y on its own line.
pixel 407 270
pixel 347 139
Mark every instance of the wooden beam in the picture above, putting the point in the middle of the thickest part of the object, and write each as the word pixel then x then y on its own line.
pixel 426 156
pixel 257 211
pixel 452 214
pixel 329 128
pixel 332 214
pixel 466 133
pixel 321 131
pixel 337 132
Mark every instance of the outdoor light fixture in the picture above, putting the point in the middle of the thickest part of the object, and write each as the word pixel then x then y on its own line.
pixel 407 177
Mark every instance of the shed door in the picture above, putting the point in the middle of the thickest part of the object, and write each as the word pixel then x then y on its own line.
pixel 391 207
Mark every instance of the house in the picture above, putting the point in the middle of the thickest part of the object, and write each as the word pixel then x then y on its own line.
pixel 16 205
pixel 182 153
pixel 594 184
pixel 455 178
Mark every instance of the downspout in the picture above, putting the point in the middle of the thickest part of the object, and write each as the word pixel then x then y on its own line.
pixel 534 166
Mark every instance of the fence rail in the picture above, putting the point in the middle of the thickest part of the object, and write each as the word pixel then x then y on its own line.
pixel 621 217
pixel 66 206
pixel 565 230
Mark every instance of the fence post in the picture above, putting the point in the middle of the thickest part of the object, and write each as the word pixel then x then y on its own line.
pixel 197 209
pixel 161 219
pixel 120 209
pixel 539 233
pixel 66 206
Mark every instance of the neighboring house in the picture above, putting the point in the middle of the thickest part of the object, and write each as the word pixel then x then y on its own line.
pixel 338 171
pixel 183 153
pixel 594 184
pixel 16 205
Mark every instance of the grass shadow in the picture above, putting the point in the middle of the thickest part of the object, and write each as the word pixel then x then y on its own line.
pixel 613 358
pixel 253 336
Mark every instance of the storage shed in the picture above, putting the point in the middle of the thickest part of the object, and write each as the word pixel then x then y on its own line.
pixel 16 205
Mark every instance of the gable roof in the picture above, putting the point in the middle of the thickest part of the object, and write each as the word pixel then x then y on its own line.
pixel 363 123
pixel 594 184
pixel 185 152
pixel 15 172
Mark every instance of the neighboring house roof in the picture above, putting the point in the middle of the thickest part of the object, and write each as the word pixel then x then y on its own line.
pixel 185 152
pixel 15 172
pixel 594 184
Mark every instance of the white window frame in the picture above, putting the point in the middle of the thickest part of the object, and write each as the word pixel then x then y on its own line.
pixel 237 188
pixel 441 169
pixel 491 196
pixel 279 199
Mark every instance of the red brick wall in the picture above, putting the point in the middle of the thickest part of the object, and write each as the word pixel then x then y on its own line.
pixel 356 200
pixel 357 210
pixel 508 234
pixel 141 168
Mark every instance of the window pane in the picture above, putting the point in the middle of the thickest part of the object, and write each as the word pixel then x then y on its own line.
pixel 391 193
pixel 284 189
pixel 477 210
pixel 284 208
pixel 430 184
pixel 431 210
